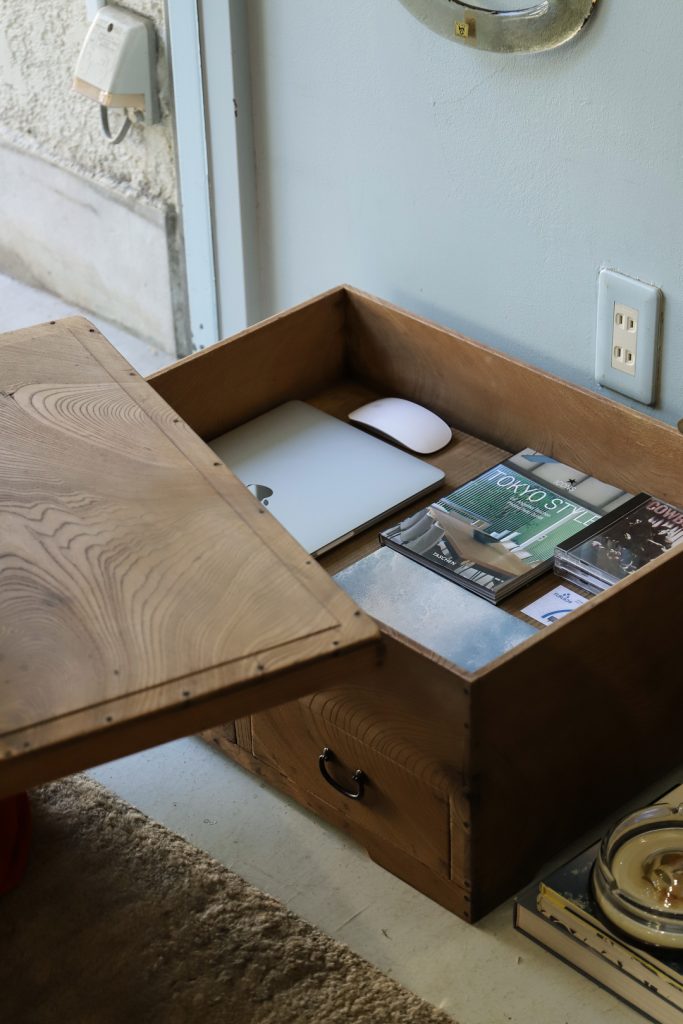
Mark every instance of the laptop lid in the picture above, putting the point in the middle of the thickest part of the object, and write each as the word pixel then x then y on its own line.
pixel 323 479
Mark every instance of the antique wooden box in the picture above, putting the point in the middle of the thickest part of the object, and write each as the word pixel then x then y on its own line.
pixel 473 779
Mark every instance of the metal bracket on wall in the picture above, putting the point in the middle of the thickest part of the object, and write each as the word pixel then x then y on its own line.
pixel 541 26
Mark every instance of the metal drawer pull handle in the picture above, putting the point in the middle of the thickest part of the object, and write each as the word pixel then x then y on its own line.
pixel 358 777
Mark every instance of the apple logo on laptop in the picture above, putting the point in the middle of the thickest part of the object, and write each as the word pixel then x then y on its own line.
pixel 261 492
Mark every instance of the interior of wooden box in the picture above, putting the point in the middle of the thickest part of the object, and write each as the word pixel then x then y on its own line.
pixel 508 403
pixel 345 348
pixel 464 458
pixel 353 340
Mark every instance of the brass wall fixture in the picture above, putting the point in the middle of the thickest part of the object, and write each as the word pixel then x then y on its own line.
pixel 541 26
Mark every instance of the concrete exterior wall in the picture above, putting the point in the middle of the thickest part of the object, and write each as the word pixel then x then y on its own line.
pixel 67 236
pixel 483 190
pixel 41 118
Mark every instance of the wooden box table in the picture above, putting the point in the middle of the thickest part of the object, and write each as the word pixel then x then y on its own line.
pixel 147 594
pixel 474 779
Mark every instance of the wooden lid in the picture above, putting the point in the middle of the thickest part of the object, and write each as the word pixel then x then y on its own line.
pixel 144 593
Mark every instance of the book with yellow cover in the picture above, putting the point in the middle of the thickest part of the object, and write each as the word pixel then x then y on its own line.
pixel 561 913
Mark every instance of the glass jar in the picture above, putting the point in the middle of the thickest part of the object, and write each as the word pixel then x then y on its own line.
pixel 638 875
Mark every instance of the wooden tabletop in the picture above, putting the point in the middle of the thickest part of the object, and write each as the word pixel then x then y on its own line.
pixel 144 593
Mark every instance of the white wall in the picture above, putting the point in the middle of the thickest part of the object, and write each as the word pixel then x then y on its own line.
pixel 482 190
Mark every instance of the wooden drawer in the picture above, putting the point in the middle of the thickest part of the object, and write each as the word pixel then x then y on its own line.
pixel 394 805
pixel 551 724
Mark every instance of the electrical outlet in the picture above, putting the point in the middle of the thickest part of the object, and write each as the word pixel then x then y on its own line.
pixel 627 337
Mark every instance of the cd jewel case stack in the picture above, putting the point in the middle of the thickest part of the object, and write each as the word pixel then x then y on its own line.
pixel 622 542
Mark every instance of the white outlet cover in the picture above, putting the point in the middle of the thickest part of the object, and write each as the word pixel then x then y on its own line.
pixel 614 287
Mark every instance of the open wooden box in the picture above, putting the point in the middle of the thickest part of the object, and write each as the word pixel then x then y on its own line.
pixel 475 779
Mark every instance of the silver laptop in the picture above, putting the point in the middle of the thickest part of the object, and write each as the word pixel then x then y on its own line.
pixel 322 478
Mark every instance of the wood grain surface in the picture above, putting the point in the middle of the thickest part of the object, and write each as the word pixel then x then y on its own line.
pixel 138 575
pixel 508 403
pixel 398 808
pixel 412 710
pixel 568 729
pixel 292 355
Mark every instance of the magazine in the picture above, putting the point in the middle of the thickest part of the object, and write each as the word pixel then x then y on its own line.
pixel 497 532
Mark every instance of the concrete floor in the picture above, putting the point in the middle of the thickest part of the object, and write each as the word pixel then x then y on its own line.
pixel 480 974
pixel 23 306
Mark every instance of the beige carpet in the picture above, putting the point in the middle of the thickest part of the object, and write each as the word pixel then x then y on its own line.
pixel 119 920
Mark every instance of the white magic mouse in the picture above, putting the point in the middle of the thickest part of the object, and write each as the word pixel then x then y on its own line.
pixel 407 423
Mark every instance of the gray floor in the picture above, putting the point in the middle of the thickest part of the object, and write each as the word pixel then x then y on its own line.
pixel 481 974
pixel 23 306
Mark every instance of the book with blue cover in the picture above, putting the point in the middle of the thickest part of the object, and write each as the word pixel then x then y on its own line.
pixel 456 625
pixel 499 531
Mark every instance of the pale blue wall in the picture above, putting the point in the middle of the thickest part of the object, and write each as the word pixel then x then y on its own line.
pixel 482 190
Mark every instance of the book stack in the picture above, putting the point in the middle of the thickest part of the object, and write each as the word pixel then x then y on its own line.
pixel 499 531
pixel 561 914
pixel 620 543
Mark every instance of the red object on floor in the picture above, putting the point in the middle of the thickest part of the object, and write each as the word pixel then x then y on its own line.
pixel 15 832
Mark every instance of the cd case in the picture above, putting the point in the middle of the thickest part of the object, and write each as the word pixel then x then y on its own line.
pixel 624 541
